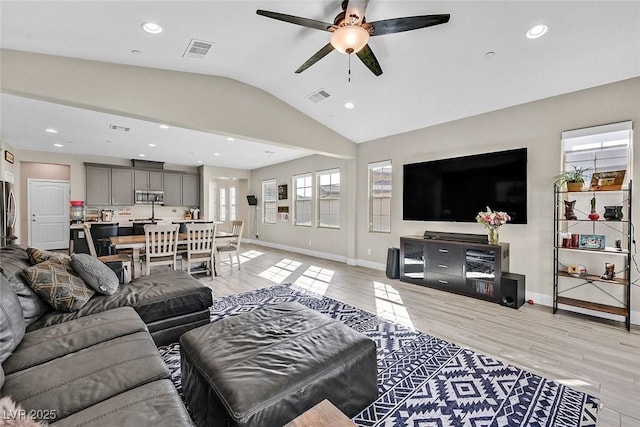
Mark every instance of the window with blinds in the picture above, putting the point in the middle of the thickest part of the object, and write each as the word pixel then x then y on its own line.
pixel 604 148
pixel 269 201
pixel 328 197
pixel 380 197
pixel 303 198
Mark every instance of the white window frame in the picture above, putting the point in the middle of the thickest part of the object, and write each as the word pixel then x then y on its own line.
pixel 222 204
pixel 306 200
pixel 233 209
pixel 269 201
pixel 330 200
pixel 599 149
pixel 376 198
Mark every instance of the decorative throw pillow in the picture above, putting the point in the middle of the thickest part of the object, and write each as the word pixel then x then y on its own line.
pixel 58 285
pixel 36 256
pixel 95 273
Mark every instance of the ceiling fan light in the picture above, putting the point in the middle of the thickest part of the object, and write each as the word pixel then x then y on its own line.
pixel 349 39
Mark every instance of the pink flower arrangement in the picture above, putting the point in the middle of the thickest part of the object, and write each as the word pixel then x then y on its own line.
pixel 491 219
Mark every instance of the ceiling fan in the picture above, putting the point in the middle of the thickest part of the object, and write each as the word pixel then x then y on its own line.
pixel 351 32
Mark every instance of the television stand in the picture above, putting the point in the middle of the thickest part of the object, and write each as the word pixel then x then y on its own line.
pixel 466 267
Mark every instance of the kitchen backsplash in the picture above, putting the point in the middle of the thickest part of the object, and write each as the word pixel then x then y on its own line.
pixel 124 214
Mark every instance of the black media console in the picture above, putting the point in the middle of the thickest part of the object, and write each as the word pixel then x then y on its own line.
pixel 461 263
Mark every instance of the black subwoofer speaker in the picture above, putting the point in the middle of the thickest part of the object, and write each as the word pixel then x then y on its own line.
pixel 512 290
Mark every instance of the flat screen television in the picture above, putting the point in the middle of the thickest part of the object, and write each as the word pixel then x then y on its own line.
pixel 457 189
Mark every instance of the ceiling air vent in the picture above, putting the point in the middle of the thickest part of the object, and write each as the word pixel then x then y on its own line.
pixel 197 49
pixel 122 128
pixel 318 96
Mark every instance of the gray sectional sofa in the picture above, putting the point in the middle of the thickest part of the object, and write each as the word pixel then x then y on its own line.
pixel 98 365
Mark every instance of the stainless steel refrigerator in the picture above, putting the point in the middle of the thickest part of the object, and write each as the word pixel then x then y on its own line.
pixel 9 214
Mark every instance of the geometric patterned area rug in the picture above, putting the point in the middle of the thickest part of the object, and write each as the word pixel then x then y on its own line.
pixel 426 381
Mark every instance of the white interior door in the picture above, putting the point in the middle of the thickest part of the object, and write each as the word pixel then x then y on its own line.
pixel 48 214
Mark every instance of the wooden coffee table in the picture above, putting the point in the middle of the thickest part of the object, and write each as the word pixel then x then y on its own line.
pixel 322 415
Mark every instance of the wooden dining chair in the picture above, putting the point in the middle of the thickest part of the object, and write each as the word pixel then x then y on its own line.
pixel 125 259
pixel 201 238
pixel 160 245
pixel 232 245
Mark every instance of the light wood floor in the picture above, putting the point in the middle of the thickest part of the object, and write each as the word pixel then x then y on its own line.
pixel 592 355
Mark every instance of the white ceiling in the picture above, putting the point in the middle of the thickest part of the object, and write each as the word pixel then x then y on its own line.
pixel 431 75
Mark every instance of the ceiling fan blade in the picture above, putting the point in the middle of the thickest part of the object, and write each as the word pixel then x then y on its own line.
pixel 315 58
pixel 305 22
pixel 369 59
pixel 355 11
pixel 398 25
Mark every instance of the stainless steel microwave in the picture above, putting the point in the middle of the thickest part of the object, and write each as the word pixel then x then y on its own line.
pixel 148 197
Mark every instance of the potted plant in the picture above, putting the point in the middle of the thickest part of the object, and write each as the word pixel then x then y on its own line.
pixel 573 178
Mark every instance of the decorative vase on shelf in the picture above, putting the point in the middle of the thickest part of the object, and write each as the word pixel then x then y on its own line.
pixel 492 220
pixel 593 216
pixel 492 234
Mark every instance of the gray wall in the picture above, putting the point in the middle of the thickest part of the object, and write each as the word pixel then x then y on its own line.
pixel 536 126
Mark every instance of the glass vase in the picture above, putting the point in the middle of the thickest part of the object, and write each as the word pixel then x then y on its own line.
pixel 492 233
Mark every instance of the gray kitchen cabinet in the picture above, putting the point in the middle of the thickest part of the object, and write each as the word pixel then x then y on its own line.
pixel 122 187
pixel 172 189
pixel 156 180
pixel 141 180
pixel 149 180
pixel 190 190
pixel 98 186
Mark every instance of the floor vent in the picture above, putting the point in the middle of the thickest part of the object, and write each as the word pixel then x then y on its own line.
pixel 318 96
pixel 122 128
pixel 197 49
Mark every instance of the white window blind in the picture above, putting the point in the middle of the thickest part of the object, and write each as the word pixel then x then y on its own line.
pixel 380 197
pixel 599 149
pixel 328 197
pixel 269 200
pixel 303 197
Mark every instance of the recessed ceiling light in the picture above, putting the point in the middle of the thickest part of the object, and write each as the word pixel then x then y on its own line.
pixel 490 54
pixel 58 145
pixel 152 145
pixel 230 139
pixel 142 155
pixel 163 126
pixel 136 51
pixel 51 130
pixel 108 141
pixel 349 106
pixel 200 161
pixel 537 31
pixel 216 154
pixel 151 27
pixel 269 152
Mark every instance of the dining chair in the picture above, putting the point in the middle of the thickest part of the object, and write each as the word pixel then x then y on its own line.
pixel 125 259
pixel 160 245
pixel 232 245
pixel 201 238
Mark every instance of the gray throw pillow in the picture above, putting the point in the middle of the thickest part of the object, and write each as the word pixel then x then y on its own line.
pixel 95 273
pixel 58 285
pixel 12 324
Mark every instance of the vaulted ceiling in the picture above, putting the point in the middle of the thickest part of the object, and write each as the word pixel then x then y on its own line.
pixel 480 61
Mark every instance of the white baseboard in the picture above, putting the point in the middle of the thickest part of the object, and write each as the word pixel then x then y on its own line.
pixel 324 255
pixel 542 299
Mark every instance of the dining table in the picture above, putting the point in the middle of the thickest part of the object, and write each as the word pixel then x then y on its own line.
pixel 138 241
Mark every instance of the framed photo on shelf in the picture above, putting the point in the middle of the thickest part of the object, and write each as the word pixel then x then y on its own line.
pixel 591 241
pixel 602 181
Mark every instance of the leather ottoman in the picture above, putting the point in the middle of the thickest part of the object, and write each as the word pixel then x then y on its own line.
pixel 266 367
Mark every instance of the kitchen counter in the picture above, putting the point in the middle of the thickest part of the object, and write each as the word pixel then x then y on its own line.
pixel 78 225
